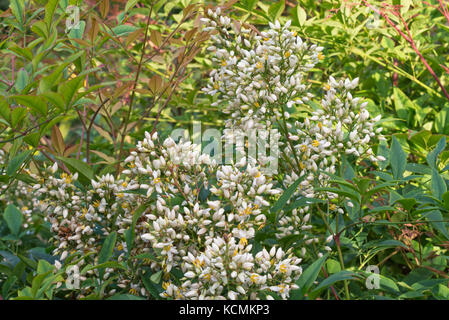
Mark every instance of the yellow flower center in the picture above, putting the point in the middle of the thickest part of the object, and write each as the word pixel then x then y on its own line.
pixel 283 268
pixel 287 54
pixel 207 276
pixel 67 178
pixel 254 278
pixel 224 63
pixel 248 211
pixel 315 143
pixel 198 263
pixel 243 241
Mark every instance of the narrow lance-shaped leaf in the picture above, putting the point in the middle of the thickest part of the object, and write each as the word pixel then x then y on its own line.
pixel 13 218
pixel 433 155
pixel 398 159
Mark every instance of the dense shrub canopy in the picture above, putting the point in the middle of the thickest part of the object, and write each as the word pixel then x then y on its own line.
pixel 238 150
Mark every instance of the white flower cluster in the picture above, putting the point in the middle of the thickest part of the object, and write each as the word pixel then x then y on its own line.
pixel 198 218
pixel 258 72
pixel 259 77
pixel 204 215
pixel 228 270
pixel 80 219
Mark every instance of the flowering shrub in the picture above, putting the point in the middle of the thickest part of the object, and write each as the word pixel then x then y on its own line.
pixel 172 222
pixel 198 216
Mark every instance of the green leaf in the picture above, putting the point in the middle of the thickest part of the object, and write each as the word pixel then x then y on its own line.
pixel 69 88
pixel 51 80
pixel 156 277
pixel 405 107
pixel 433 155
pixel 276 9
pixel 17 8
pixel 130 233
pixel 441 123
pixel 339 276
pixel 37 281
pixel 79 166
pixel 23 52
pixel 436 220
pixel 124 29
pixel 35 103
pixel 286 195
pixel 106 250
pixel 302 15
pixel 398 159
pixel 22 80
pixel 437 185
pixel 16 162
pixel 151 287
pixel 17 115
pixel 44 266
pixel 77 33
pixel 50 11
pixel 130 4
pixel 13 218
pixel 56 99
pixel 5 111
pixel 308 277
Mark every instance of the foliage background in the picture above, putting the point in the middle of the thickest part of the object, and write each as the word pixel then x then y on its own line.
pixel 112 70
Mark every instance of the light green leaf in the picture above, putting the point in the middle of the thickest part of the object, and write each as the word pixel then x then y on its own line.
pixel 13 218
pixel 286 195
pixel 339 276
pixel 79 166
pixel 433 155
pixel 130 4
pixel 50 11
pixel 16 162
pixel 307 278
pixel 437 185
pixel 35 103
pixel 22 80
pixel 17 8
pixel 276 9
pixel 436 220
pixel 398 159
